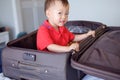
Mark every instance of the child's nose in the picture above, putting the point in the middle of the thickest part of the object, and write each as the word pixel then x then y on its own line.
pixel 63 16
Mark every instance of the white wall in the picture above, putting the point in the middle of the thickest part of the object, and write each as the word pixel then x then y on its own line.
pixel 32 14
pixel 6 15
pixel 9 14
pixel 105 11
pixel 21 15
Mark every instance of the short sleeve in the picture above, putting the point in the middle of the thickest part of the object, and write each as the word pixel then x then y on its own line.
pixel 43 38
pixel 72 36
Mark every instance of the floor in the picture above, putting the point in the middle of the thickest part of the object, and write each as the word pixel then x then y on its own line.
pixel 87 77
pixel 2 77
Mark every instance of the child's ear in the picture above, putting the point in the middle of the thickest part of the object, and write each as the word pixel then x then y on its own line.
pixel 47 13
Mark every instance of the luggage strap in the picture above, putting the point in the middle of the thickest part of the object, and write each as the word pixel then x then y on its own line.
pixel 86 43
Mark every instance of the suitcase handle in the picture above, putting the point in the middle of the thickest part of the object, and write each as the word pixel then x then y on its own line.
pixel 26 66
pixel 29 67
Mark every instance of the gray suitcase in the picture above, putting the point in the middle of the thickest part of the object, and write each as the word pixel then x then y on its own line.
pixel 100 56
pixel 21 60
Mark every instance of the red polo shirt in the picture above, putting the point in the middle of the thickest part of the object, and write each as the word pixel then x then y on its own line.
pixel 47 35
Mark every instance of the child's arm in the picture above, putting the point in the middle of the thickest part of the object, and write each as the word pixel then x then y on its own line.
pixel 74 46
pixel 83 36
pixel 59 48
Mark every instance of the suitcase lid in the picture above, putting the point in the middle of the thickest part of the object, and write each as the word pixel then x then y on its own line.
pixel 101 58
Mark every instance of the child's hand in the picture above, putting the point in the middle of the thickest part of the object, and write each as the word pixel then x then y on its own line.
pixel 74 46
pixel 91 33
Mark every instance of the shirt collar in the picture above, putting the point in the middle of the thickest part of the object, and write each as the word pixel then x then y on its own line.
pixel 47 24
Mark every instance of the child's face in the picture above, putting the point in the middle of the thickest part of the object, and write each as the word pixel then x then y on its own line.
pixel 57 14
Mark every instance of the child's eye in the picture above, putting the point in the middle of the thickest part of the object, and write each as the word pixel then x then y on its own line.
pixel 66 13
pixel 59 13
